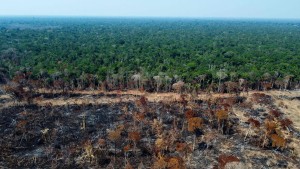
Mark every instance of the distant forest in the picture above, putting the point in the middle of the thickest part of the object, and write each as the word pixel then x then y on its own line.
pixel 84 52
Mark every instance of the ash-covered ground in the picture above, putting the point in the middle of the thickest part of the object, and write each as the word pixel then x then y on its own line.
pixel 258 130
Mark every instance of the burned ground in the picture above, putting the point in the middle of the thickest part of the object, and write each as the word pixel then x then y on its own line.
pixel 113 130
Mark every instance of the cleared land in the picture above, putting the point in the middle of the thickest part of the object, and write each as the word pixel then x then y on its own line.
pixel 104 129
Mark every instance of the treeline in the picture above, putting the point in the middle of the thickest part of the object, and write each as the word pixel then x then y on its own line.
pixel 159 83
pixel 151 54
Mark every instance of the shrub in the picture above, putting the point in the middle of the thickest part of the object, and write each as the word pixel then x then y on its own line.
pixel 194 123
pixel 278 141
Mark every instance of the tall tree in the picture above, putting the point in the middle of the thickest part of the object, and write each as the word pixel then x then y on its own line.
pixel 221 74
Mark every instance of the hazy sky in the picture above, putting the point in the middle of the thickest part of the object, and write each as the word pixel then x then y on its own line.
pixel 157 8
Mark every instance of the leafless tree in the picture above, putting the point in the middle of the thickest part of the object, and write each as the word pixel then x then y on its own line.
pixel 232 87
pixel 137 80
pixel 167 82
pixel 221 74
pixel 243 85
pixel 279 83
pixel 287 80
pixel 178 86
pixel 158 82
pixel 201 79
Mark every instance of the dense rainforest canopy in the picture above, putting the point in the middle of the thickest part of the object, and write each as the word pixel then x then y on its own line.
pixel 187 48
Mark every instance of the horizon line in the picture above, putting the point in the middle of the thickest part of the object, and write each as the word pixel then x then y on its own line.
pixel 150 17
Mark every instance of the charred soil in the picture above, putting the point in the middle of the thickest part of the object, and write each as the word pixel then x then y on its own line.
pixel 142 130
